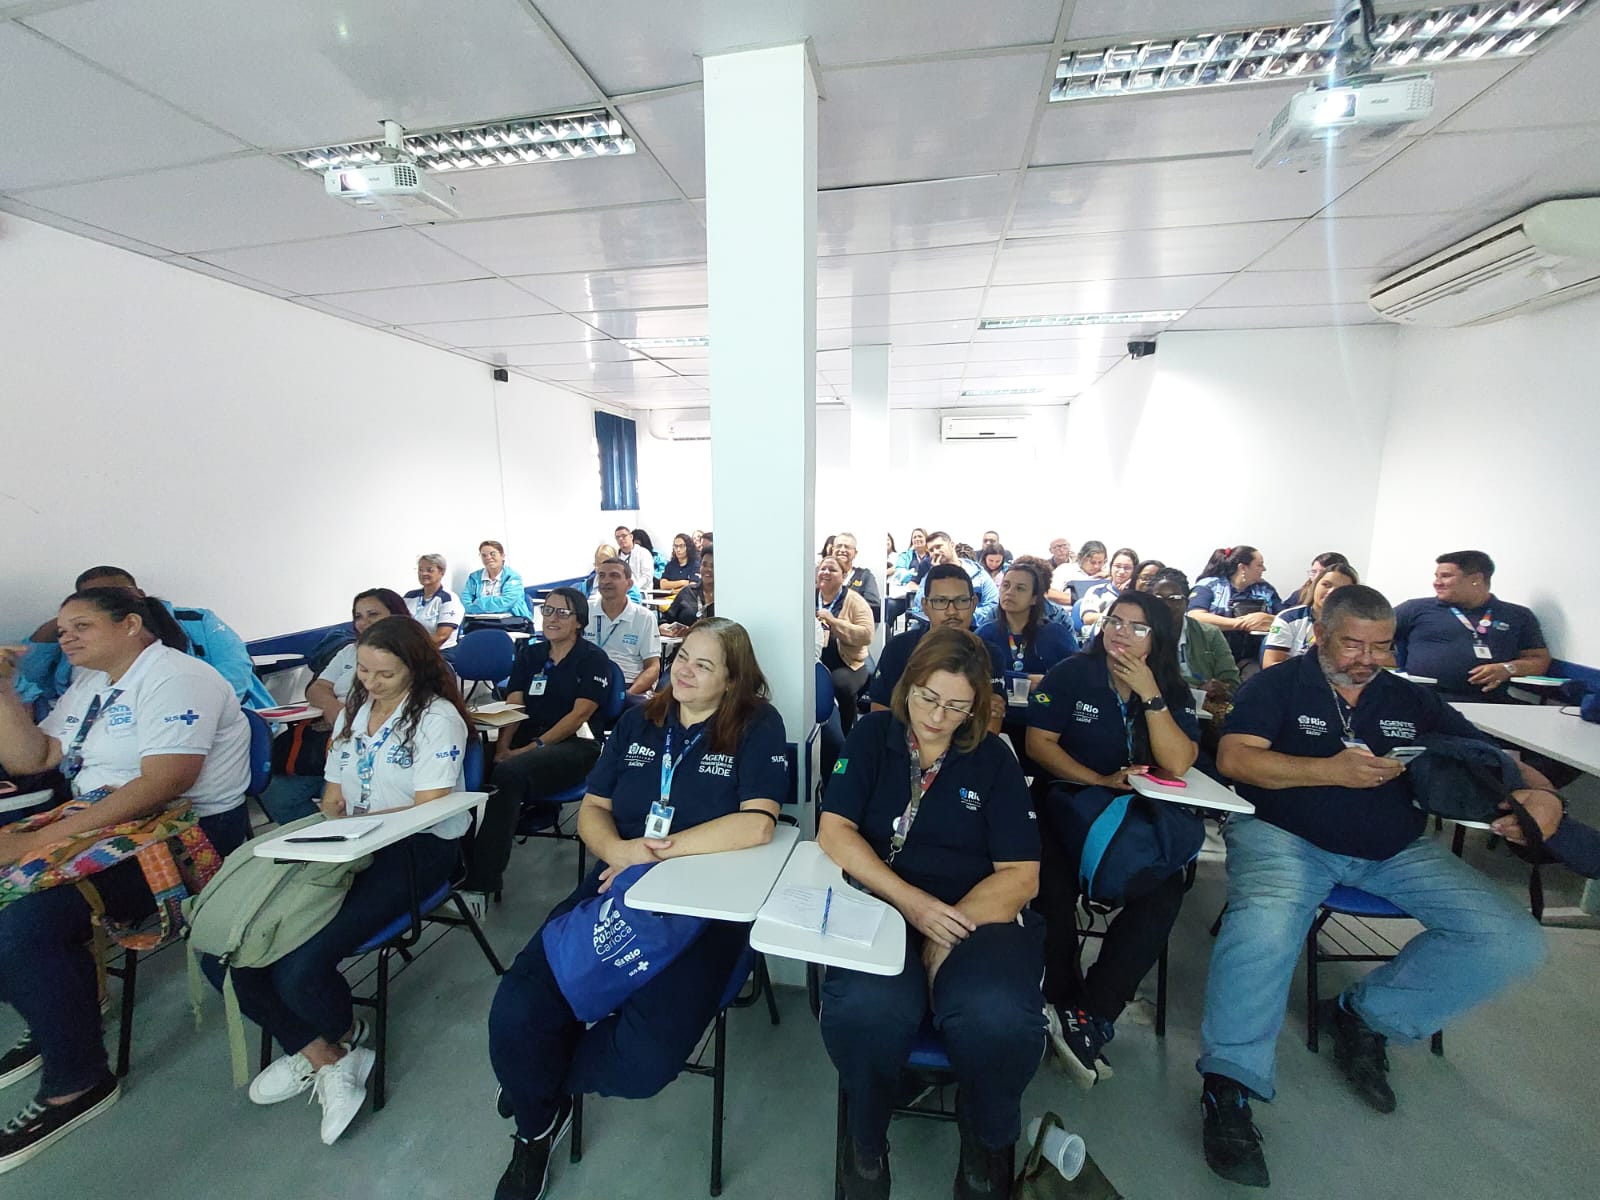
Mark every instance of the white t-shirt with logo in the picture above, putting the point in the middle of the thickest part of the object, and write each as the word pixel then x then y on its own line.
pixel 643 565
pixel 433 758
pixel 629 641
pixel 442 608
pixel 340 673
pixel 170 704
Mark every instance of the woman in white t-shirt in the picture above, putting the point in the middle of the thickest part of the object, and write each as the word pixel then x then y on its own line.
pixel 1293 630
pixel 143 729
pixel 399 741
pixel 330 688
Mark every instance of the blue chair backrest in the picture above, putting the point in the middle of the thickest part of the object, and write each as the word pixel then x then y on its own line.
pixel 825 696
pixel 260 751
pixel 472 765
pixel 485 654
pixel 616 692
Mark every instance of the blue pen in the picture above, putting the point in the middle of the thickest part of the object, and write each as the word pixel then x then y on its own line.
pixel 827 903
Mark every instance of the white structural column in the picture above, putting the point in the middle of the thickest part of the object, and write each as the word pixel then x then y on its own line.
pixel 761 230
pixel 869 462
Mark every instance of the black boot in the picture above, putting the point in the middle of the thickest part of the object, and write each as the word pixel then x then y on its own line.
pixel 1232 1141
pixel 866 1176
pixel 1361 1053
pixel 982 1173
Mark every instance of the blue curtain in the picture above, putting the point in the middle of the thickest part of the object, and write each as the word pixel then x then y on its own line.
pixel 617 439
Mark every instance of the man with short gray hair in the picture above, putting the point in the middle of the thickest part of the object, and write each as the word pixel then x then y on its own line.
pixel 858 579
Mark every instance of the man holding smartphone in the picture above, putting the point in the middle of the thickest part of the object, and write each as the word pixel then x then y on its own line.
pixel 1313 744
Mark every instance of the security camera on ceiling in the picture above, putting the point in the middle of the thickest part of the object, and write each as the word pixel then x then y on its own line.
pixel 1355 115
pixel 395 185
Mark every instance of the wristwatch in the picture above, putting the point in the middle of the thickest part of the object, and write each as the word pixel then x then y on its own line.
pixel 1159 704
pixel 1511 670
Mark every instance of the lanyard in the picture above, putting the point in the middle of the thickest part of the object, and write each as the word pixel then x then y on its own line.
pixel 1127 717
pixel 1183 648
pixel 671 761
pixel 366 763
pixel 1018 650
pixel 1343 710
pixel 838 602
pixel 600 623
pixel 921 781
pixel 72 760
pixel 1482 627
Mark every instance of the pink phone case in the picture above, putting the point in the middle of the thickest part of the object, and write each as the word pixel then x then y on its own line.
pixel 1164 781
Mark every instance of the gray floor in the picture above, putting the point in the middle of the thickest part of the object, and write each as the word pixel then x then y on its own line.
pixel 1508 1111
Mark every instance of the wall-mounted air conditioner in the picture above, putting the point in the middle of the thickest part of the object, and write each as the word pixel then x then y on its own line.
pixel 985 427
pixel 1543 256
pixel 689 429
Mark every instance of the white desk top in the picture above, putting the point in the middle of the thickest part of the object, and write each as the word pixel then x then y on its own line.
pixel 272 660
pixel 18 800
pixel 728 886
pixel 1564 737
pixel 808 866
pixel 1201 791
pixel 398 824
pixel 1425 680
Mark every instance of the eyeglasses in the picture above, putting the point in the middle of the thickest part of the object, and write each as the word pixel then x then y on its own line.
pixel 1138 628
pixel 940 603
pixel 550 610
pixel 960 710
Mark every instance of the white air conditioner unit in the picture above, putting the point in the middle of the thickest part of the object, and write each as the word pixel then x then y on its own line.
pixel 689 429
pixel 983 428
pixel 1543 256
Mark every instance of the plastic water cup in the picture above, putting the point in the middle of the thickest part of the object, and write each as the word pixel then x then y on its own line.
pixel 1019 689
pixel 1065 1151
pixel 1199 695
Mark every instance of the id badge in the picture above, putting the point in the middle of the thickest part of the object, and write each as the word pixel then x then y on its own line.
pixel 1355 743
pixel 1480 650
pixel 659 824
pixel 536 686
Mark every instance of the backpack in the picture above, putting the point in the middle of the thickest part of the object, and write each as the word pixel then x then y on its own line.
pixel 1130 844
pixel 1461 778
pixel 256 910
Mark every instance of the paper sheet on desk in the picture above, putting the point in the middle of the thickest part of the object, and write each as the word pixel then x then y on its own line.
pixel 851 917
pixel 345 829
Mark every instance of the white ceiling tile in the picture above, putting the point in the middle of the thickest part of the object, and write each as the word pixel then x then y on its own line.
pixel 298 73
pixel 949 212
pixel 381 258
pixel 554 186
pixel 1028 337
pixel 333 310
pixel 1174 124
pixel 1125 18
pixel 908 374
pixel 872 128
pixel 1344 243
pixel 470 300
pixel 507 331
pixel 1045 356
pixel 1251 289
pixel 588 370
pixel 66 121
pixel 211 206
pixel 574 357
pixel 1454 172
pixel 20 208
pixel 1549 88
pixel 1575 171
pixel 643 287
pixel 672 129
pixel 596 239
pixel 904 271
pixel 1309 316
pixel 1196 250
pixel 635 45
pixel 834 360
pixel 1100 296
pixel 903 308
pixel 922 333
pixel 650 322
pixel 234 277
pixel 951 353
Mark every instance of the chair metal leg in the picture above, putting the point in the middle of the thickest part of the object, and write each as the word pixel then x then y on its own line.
pixel 718 1080
pixel 764 981
pixel 130 976
pixel 841 1131
pixel 1437 1043
pixel 477 932
pixel 380 1035
pixel 1458 840
pixel 1311 980
pixel 583 861
pixel 1161 993
pixel 1536 893
pixel 266 1049
pixel 575 1153
pixel 1216 926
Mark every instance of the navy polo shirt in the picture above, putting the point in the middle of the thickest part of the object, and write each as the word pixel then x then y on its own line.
pixel 582 675
pixel 977 812
pixel 897 652
pixel 1293 707
pixel 1429 641
pixel 1052 642
pixel 705 785
pixel 1077 702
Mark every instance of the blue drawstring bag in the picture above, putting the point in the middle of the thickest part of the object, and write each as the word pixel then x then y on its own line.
pixel 603 950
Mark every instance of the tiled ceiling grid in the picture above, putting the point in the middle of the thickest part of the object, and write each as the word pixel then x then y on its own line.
pixel 951 189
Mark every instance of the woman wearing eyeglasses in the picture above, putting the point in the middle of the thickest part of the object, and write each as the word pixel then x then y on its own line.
pixel 1120 708
pixel 930 813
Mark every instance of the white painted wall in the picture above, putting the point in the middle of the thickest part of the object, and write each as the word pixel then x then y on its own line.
pixel 241 453
pixel 1492 446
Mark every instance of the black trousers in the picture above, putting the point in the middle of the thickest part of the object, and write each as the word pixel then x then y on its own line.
pixel 522 779
pixel 1132 943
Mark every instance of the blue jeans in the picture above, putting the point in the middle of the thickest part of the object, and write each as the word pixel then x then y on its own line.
pixel 47 971
pixel 1475 942
pixel 289 797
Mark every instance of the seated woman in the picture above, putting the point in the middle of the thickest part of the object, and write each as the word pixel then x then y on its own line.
pixel 1293 631
pixel 142 730
pixel 1204 659
pixel 693 603
pixel 845 623
pixel 1030 644
pixel 960 862
pixel 495 588
pixel 398 743
pixel 1097 597
pixel 683 568
pixel 299 753
pixel 907 569
pixel 1232 596
pixel 437 610
pixel 1145 573
pixel 1118 709
pixel 604 553
pixel 1319 564
pixel 658 564
pixel 709 748
pixel 993 559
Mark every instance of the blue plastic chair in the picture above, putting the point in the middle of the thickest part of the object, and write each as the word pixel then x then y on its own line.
pixel 484 656
pixel 260 752
pixel 825 697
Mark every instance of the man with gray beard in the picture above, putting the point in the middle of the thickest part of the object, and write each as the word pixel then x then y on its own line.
pixel 1307 742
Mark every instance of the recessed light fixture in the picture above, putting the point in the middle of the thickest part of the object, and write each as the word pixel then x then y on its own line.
pixel 1019 391
pixel 591 134
pixel 1458 33
pixel 1111 318
pixel 665 343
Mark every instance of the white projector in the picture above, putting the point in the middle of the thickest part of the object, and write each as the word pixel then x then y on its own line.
pixel 1343 123
pixel 396 188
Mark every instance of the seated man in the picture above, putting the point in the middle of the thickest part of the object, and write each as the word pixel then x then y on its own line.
pixel 1307 743
pixel 1063 566
pixel 626 631
pixel 45 673
pixel 858 579
pixel 950 598
pixel 435 609
pixel 640 561
pixel 1467 638
pixel 942 549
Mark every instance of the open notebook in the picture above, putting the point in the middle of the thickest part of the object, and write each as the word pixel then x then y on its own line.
pixel 850 916
pixel 345 829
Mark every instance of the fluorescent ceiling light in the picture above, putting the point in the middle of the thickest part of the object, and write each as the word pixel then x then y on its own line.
pixel 1017 391
pixel 666 343
pixel 1458 33
pixel 1116 318
pixel 591 134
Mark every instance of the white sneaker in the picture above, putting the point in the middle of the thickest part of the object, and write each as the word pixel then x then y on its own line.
pixel 283 1080
pixel 341 1088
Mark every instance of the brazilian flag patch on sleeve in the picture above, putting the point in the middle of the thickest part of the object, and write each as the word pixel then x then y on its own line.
pixel 1042 699
pixel 840 765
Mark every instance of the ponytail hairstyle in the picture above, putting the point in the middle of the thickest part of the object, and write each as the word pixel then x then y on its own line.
pixel 431 678
pixel 1225 561
pixel 121 603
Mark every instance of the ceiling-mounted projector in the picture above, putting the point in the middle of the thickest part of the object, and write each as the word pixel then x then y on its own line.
pixel 395 185
pixel 1347 122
